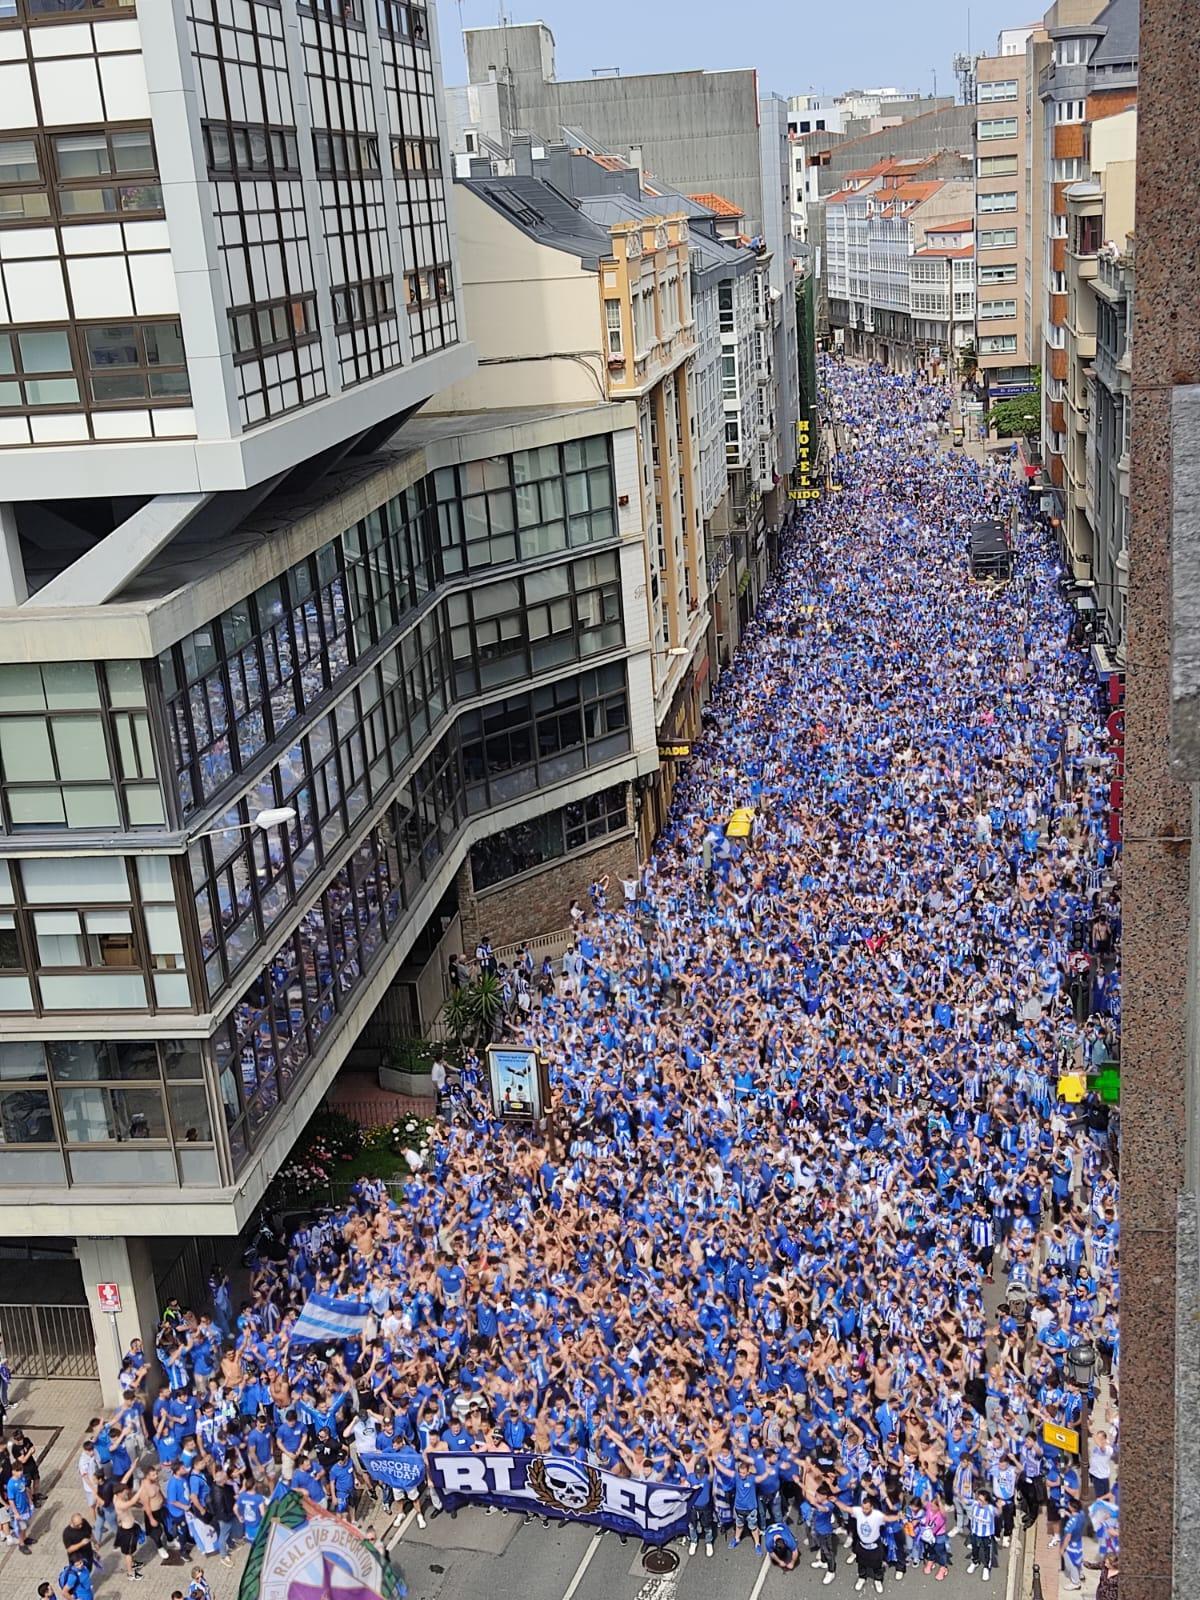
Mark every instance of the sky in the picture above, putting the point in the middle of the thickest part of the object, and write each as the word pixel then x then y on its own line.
pixel 798 46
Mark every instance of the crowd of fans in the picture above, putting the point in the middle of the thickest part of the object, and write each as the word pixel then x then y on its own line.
pixel 810 1228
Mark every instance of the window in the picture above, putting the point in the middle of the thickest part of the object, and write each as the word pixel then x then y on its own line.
pixel 250 149
pixel 1088 235
pixel 345 154
pixel 1068 169
pixel 64 728
pixel 996 128
pixel 416 158
pixel 93 940
pixel 997 166
pixel 278 325
pixel 1006 201
pixel 106 172
pixel 358 305
pixel 1005 274
pixel 997 309
pixel 1070 111
pixel 404 21
pixel 989 93
pixel 1071 52
pixel 997 238
pixel 37 369
pixel 529 845
pixel 133 361
pixel 35 10
pixel 998 344
pixel 612 318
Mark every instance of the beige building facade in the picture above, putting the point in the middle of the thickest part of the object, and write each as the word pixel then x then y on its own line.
pixel 1003 312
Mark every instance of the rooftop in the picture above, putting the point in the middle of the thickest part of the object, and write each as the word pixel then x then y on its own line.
pixel 718 205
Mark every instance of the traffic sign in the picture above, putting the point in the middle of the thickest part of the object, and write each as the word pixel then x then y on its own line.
pixel 108 1296
pixel 1061 1438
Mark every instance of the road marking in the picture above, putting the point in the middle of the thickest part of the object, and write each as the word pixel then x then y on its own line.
pixel 763 1572
pixel 593 1545
pixel 391 1544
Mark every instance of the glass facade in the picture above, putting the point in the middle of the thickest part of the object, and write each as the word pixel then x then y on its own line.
pixel 101 1112
pixel 76 748
pixel 240 683
pixel 512 851
pixel 91 933
pixel 273 1032
pixel 316 693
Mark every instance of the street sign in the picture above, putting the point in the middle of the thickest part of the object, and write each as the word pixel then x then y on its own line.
pixel 108 1296
pixel 1061 1438
pixel 1108 1085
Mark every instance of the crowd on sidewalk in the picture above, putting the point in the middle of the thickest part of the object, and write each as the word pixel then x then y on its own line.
pixel 806 1115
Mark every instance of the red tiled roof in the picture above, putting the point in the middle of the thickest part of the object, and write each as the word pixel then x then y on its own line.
pixel 918 191
pixel 717 203
pixel 951 227
pixel 963 250
pixel 609 163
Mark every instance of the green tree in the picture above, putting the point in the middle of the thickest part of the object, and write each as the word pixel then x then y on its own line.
pixel 968 361
pixel 485 998
pixel 1022 415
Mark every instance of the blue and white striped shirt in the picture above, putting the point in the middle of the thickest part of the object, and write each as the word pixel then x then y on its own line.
pixel 983 1519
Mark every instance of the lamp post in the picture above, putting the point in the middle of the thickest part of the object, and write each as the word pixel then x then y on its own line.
pixel 272 817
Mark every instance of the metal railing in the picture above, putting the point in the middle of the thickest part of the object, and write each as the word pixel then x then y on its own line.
pixel 48 1341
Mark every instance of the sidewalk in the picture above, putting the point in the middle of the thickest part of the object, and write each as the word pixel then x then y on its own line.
pixel 55 1415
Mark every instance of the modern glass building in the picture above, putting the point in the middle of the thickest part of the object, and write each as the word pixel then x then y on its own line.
pixel 237 576
pixel 437 650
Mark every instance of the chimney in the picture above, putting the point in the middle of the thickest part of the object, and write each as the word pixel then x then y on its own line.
pixel 635 160
pixel 522 155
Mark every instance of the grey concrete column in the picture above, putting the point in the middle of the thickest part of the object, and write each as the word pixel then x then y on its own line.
pixel 14 591
pixel 127 1264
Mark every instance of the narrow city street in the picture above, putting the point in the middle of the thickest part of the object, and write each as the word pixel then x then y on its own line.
pixel 807 1076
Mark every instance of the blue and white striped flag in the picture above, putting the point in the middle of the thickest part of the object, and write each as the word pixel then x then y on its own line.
pixel 325 1316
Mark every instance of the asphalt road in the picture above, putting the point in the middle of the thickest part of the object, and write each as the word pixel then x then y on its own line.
pixel 476 1557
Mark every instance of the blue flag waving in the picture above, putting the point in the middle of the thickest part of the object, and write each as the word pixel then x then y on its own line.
pixel 325 1316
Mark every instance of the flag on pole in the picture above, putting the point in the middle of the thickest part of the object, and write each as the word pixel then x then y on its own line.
pixel 325 1316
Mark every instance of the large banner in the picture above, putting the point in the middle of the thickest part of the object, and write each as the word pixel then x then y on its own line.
pixel 559 1486
pixel 301 1553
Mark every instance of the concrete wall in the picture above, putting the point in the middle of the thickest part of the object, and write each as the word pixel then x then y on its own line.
pixel 525 301
pixel 952 129
pixel 698 130
pixel 1159 999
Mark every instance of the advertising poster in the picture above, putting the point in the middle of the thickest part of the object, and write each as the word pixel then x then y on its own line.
pixel 517 1080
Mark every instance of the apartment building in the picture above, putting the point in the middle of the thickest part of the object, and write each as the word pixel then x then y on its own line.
pixel 689 133
pixel 1107 474
pixel 873 227
pixel 1091 77
pixel 941 288
pixel 1098 210
pixel 226 244
pixel 1002 341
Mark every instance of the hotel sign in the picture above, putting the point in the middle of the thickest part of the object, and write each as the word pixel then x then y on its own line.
pixel 806 489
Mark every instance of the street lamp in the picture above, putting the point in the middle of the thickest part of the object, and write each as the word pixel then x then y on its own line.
pixel 272 817
pixel 674 650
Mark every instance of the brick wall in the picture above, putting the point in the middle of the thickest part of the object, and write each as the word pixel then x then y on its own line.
pixel 539 902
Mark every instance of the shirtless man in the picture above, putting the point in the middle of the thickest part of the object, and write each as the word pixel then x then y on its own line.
pixel 125 1504
pixel 151 1500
